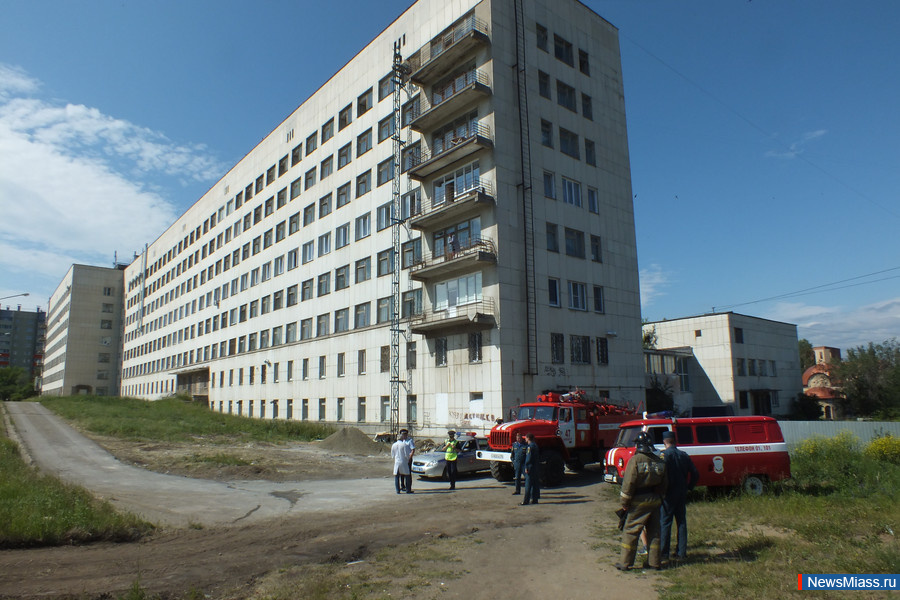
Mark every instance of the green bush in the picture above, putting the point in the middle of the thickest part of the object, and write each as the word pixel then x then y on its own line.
pixel 885 448
pixel 821 465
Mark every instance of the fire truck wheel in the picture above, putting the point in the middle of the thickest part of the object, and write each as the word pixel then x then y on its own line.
pixel 502 471
pixel 552 468
pixel 754 485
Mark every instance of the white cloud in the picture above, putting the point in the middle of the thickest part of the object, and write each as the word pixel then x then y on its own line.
pixel 77 185
pixel 653 281
pixel 841 326
pixel 797 147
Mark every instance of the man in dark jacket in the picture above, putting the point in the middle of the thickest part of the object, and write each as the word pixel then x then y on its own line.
pixel 683 476
pixel 532 471
pixel 643 486
pixel 517 454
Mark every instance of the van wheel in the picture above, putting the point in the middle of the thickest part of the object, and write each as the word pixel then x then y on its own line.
pixel 754 485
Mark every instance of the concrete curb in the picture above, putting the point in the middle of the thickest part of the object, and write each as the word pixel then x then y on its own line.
pixel 13 434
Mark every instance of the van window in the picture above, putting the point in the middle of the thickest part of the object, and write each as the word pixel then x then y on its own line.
pixel 713 434
pixel 656 434
pixel 684 435
pixel 565 415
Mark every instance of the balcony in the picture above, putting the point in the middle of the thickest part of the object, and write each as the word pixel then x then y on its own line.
pixel 453 205
pixel 444 153
pixel 439 56
pixel 468 317
pixel 451 262
pixel 464 90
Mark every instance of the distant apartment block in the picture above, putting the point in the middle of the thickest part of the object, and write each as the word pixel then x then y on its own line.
pixel 272 295
pixel 84 340
pixel 727 363
pixel 22 339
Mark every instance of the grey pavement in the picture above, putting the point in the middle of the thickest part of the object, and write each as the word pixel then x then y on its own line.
pixel 177 501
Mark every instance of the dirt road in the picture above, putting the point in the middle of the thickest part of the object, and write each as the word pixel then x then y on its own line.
pixel 561 548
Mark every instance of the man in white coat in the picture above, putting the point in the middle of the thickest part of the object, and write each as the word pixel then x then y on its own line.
pixel 401 452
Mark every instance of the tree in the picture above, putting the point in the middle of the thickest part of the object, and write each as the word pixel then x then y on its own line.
pixel 659 396
pixel 806 408
pixel 649 338
pixel 807 356
pixel 15 384
pixel 870 376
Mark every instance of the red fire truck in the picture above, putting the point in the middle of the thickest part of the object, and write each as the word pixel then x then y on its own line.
pixel 570 430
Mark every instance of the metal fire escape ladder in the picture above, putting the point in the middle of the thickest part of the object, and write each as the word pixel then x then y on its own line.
pixel 526 191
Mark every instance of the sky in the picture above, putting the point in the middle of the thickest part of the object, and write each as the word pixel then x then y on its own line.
pixel 764 139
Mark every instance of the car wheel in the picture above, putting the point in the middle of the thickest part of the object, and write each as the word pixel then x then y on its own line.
pixel 754 485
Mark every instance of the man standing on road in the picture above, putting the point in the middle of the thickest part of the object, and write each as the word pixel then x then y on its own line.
pixel 400 454
pixel 406 485
pixel 517 453
pixel 532 471
pixel 643 486
pixel 683 476
pixel 451 453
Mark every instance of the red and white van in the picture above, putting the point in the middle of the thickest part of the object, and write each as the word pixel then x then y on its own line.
pixel 727 451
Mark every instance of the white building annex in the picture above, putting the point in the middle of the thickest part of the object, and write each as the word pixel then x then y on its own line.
pixel 271 295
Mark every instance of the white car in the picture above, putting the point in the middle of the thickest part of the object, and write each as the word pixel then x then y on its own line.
pixel 434 463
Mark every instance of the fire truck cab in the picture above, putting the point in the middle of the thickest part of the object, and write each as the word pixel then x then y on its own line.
pixel 728 451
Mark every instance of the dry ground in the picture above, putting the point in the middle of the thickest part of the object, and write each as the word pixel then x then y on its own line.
pixel 474 543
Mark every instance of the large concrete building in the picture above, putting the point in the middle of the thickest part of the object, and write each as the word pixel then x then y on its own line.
pixel 271 295
pixel 84 341
pixel 727 363
pixel 22 339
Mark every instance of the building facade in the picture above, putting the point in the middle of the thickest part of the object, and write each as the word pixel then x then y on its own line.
pixel 272 295
pixel 741 365
pixel 84 340
pixel 820 381
pixel 22 339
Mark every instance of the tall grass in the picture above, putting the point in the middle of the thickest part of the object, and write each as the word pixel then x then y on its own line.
pixel 175 420
pixel 839 514
pixel 40 510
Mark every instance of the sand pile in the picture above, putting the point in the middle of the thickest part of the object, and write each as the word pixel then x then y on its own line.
pixel 352 441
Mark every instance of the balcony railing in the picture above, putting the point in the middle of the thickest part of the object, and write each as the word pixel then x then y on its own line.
pixel 445 151
pixel 461 90
pixel 474 315
pixel 447 45
pixel 456 257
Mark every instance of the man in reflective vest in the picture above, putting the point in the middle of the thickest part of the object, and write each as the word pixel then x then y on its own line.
pixel 451 453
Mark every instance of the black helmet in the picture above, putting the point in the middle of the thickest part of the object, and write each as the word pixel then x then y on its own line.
pixel 644 443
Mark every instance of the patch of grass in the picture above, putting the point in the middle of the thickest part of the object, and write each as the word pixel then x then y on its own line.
pixel 176 420
pixel 41 510
pixel 221 459
pixel 838 515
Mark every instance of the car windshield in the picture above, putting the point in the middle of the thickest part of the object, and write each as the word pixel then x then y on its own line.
pixel 545 413
pixel 627 437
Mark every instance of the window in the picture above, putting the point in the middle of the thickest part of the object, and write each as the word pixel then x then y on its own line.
pixel 411 253
pixel 304 373
pixel 739 367
pixel 292 259
pixel 583 62
pixel 361 368
pixel 440 352
pixel 363 269
pixel 557 348
pixel 553 291
pixel 306 290
pixel 547 133
pixel 411 303
pixel 292 295
pixel 361 315
pixel 590 152
pixel 342 277
pixel 326 168
pixel 410 355
pixel 321 400
pixel 410 157
pixel 544 84
pixel 549 185
pixel 593 201
pixel 363 142
pixel 296 186
pixel 328 130
pixel 384 215
pixel 309 214
pixel 364 102
pixel 596 248
pixel 603 351
pixel 340 401
pixel 738 335
pixel 363 226
pixel 542 37
pixel 565 96
pixel 342 235
pixel 341 322
pixel 587 107
pixel 361 406
pixel 574 243
pixel 325 244
pixel 345 117
pixel 312 142
pixel 323 286
pixel 322 325
pixel 475 347
pixel 384 310
pixel 563 50
pixel 309 251
pixel 363 183
pixel 552 237
pixel 385 87
pixel 344 156
pixel 568 143
pixel 385 408
pixel 296 154
pixel 580 348
pixel 385 128
pixel 571 192
pixel 385 171
pixel 309 179
pixel 411 204
pixel 385 361
pixel 598 299
pixel 386 262
pixel 412 410
pixel 577 296
pixel 411 111
pixel 456 292
pixel 343 195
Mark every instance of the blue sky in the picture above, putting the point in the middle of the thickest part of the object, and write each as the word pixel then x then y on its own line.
pixel 764 139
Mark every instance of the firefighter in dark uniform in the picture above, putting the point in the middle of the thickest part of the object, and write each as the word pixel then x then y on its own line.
pixel 517 453
pixel 643 487
pixel 532 471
